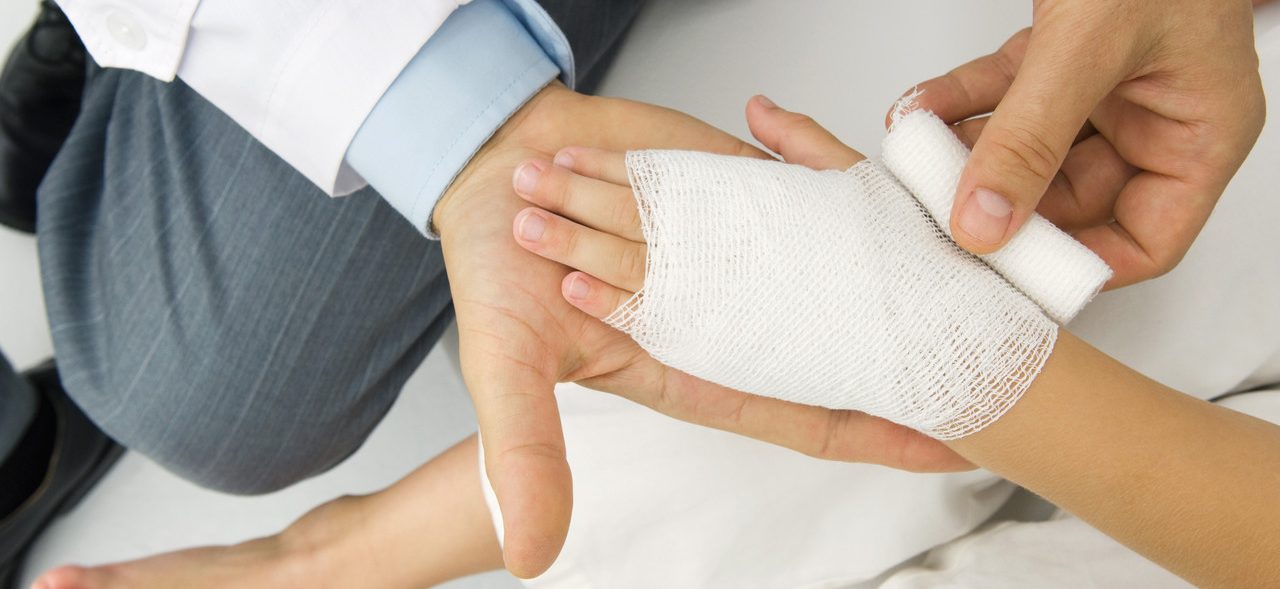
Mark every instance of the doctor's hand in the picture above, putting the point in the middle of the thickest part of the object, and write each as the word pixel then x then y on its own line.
pixel 518 336
pixel 1121 122
pixel 586 218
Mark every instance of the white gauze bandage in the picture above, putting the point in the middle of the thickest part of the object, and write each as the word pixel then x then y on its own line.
pixel 837 289
pixel 1051 267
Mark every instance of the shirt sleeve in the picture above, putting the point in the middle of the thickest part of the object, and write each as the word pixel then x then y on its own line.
pixel 486 61
pixel 302 76
pixel 145 35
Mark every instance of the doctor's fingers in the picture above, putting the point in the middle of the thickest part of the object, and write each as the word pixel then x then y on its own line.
pixel 596 203
pixel 1084 191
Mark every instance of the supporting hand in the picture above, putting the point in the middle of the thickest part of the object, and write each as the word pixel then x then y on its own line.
pixel 518 337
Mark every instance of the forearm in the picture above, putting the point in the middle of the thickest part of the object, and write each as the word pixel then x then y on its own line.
pixel 1190 485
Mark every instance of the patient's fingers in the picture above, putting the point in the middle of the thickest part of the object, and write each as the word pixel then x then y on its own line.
pixel 611 258
pixel 610 166
pixel 798 138
pixel 595 203
pixel 591 295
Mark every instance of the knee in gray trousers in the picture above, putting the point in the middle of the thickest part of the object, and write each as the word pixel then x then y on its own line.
pixel 215 311
pixel 212 309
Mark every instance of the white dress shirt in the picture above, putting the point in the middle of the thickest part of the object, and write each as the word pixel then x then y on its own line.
pixel 300 76
pixel 398 92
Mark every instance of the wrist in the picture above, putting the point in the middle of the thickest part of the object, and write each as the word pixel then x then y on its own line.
pixel 533 129
pixel 1083 407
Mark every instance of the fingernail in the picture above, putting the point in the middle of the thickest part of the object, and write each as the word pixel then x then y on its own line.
pixel 532 226
pixel 527 177
pixel 578 288
pixel 564 159
pixel 986 216
pixel 765 102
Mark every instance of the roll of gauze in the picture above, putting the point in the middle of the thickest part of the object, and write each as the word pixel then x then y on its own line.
pixel 828 288
pixel 1051 267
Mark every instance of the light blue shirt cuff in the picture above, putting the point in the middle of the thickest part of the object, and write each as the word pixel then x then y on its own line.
pixel 485 62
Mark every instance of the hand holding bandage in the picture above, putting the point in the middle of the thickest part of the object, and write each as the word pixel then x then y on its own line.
pixel 828 288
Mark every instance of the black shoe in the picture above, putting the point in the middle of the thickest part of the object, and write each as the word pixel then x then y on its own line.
pixel 80 454
pixel 40 91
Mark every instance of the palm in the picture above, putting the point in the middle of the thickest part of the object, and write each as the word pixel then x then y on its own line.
pixel 518 336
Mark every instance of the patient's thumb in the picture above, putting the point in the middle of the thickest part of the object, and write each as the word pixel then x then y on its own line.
pixel 797 137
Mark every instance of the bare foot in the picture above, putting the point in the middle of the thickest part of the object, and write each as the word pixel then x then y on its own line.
pixel 304 555
pixel 430 527
pixel 257 563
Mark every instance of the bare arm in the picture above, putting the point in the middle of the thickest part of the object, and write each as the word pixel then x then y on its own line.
pixel 1192 486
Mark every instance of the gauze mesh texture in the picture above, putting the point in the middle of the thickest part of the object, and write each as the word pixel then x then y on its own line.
pixel 835 289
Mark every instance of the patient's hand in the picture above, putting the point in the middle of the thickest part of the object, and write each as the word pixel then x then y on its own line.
pixel 585 217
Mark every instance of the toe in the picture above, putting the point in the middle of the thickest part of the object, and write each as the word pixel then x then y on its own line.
pixel 71 577
pixel 64 577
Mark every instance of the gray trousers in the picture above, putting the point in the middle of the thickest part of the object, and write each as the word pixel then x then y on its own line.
pixel 215 311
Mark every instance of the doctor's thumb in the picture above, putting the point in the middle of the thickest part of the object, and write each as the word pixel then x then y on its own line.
pixel 1009 170
pixel 1021 149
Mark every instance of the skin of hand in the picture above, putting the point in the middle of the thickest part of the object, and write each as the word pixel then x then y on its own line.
pixel 518 336
pixel 1121 122
pixel 1115 448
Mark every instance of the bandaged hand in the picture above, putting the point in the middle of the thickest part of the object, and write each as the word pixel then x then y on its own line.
pixel 828 288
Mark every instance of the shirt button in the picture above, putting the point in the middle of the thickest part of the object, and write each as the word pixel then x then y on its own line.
pixel 126 30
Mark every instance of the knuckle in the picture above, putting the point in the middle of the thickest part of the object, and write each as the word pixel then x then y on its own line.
pixel 1022 151
pixel 950 83
pixel 1009 55
pixel 625 215
pixel 567 240
pixel 524 451
pixel 559 187
pixel 743 149
pixel 796 133
pixel 800 121
pixel 1163 261
pixel 619 301
pixel 825 446
pixel 631 263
